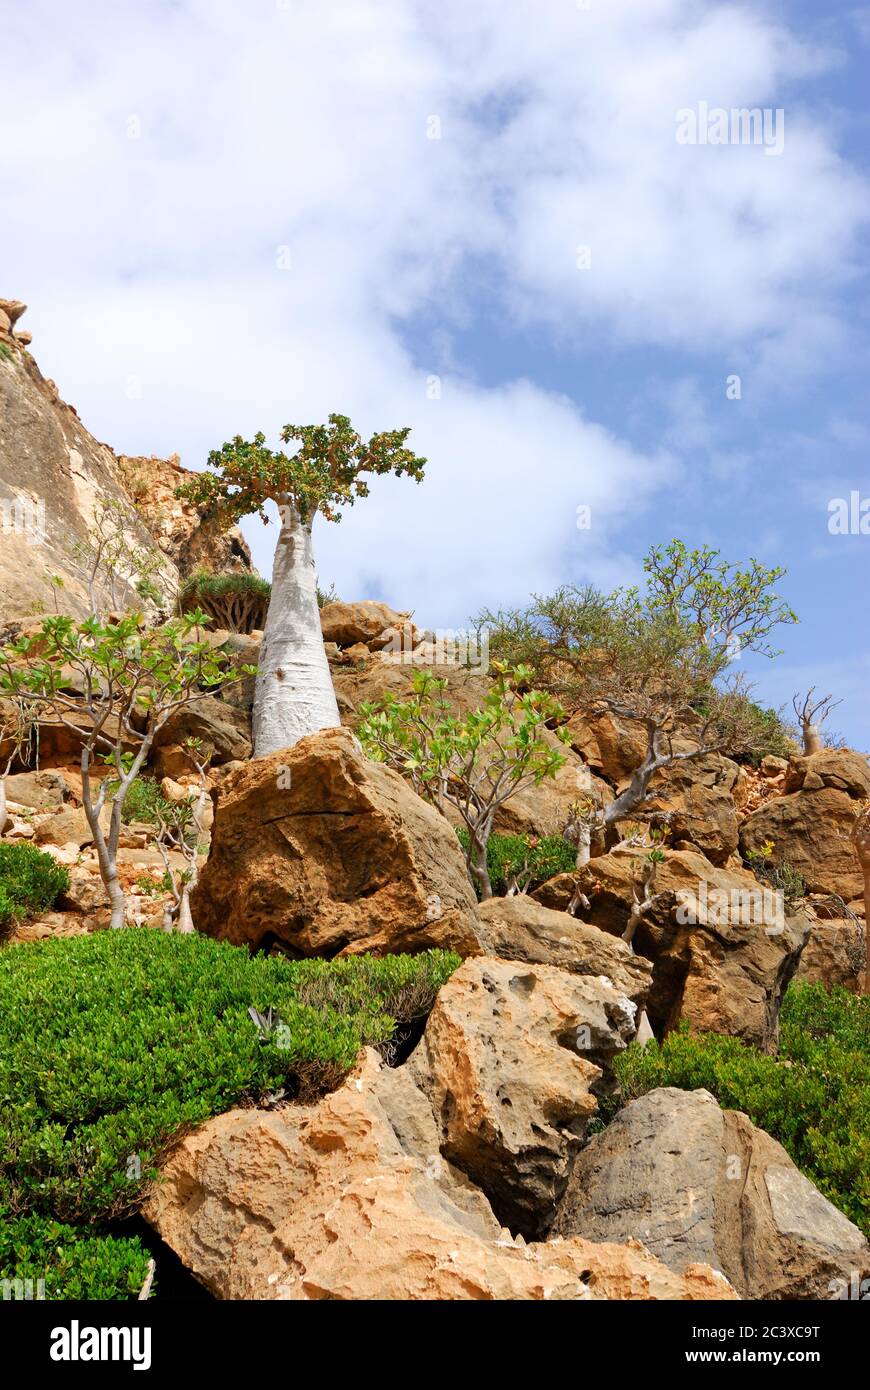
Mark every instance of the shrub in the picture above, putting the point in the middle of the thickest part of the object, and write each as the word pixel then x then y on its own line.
pixel 814 1098
pixel 30 880
pixel 145 802
pixel 112 1045
pixel 541 858
pixel 71 1263
pixel 238 601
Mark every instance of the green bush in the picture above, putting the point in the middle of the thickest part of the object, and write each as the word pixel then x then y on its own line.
pixel 814 1097
pixel 508 854
pixel 237 601
pixel 30 880
pixel 112 1045
pixel 63 1262
pixel 145 802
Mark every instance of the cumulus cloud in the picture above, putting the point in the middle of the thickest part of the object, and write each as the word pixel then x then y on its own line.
pixel 226 217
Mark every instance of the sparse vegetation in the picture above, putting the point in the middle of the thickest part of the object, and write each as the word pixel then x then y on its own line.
pixel 526 860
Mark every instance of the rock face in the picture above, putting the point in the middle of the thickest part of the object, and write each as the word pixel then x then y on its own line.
pixel 810 830
pixel 52 472
pixel 325 853
pixel 509 1059
pixel 698 795
pixel 372 624
pixel 725 976
pixel 520 929
pixel 349 1199
pixel 696 1183
pixel 224 730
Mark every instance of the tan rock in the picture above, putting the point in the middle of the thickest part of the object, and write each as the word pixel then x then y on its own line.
pixel 835 954
pixel 521 929
pixel 725 972
pixel 839 768
pixel 325 852
pixel 349 1199
pixel 509 1058
pixel 370 623
pixel 810 830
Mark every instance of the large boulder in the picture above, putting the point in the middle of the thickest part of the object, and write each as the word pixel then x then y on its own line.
pixel 349 1198
pixel 835 953
pixel 322 852
pixel 723 950
pixel 697 1183
pixel 839 768
pixel 510 1057
pixel 373 624
pixel 698 796
pixel 520 929
pixel 223 729
pixel 811 831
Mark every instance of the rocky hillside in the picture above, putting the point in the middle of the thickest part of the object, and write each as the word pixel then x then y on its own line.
pixel 639 1073
pixel 52 475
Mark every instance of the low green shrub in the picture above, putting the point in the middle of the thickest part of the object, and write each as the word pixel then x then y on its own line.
pixel 145 802
pixel 112 1045
pixel 30 881
pixel 534 859
pixel 814 1097
pixel 44 1259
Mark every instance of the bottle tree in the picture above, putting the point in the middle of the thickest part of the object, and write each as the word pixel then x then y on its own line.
pixel 294 695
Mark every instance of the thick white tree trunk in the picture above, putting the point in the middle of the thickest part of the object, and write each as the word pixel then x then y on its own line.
pixel 294 695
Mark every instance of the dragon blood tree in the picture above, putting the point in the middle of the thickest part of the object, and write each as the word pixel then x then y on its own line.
pixel 294 695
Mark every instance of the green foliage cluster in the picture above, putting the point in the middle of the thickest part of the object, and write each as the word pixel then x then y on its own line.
pixel 112 1045
pixel 30 880
pixel 62 1262
pixel 814 1097
pixel 771 735
pixel 145 802
pixel 202 585
pixel 533 859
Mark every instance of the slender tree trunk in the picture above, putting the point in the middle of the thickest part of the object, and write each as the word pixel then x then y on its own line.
pixel 812 739
pixel 185 919
pixel 4 814
pixel 294 695
pixel 477 862
pixel 106 852
pixel 584 845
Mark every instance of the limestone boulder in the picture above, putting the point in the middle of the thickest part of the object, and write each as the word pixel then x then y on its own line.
pixel 696 1183
pixel 722 947
pixel 698 796
pixel 224 730
pixel 370 623
pixel 811 831
pixel 322 852
pixel 510 1059
pixel 521 929
pixel 350 1199
pixel 839 768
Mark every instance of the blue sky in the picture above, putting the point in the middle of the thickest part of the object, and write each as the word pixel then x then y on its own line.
pixel 225 217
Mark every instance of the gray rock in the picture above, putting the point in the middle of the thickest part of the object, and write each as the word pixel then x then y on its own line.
pixel 698 1183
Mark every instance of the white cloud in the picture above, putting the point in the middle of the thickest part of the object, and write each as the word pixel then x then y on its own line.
pixel 151 263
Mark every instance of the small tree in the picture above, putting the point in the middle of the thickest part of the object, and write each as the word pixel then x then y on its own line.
pixel 237 601
pixel 113 566
pixel 811 715
pixel 132 679
pixel 650 657
pixel 294 695
pixel 181 828
pixel 476 762
pixel 17 726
